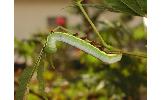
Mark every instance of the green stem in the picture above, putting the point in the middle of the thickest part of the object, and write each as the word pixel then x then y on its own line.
pixel 64 29
pixel 93 26
pixel 117 51
pixel 111 48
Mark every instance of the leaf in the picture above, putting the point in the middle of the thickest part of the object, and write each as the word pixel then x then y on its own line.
pixel 23 82
pixel 26 76
pixel 120 6
pixel 143 5
pixel 41 81
pixel 134 5
pixel 131 7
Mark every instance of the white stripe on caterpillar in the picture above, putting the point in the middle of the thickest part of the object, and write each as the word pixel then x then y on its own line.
pixel 81 44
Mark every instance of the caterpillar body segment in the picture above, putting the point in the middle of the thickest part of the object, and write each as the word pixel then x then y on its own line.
pixel 81 44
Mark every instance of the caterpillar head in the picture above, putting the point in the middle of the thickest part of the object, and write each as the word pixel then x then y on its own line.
pixel 50 45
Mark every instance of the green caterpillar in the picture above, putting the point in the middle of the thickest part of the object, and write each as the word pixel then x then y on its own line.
pixel 50 47
pixel 81 44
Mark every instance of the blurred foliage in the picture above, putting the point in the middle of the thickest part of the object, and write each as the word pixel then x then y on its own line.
pixel 78 76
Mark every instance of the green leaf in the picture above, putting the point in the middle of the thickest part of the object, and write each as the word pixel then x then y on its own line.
pixel 120 6
pixel 143 5
pixel 23 82
pixel 134 5
pixel 41 81
pixel 131 7
pixel 31 96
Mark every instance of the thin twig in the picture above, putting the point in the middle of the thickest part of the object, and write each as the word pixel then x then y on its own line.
pixel 93 26
pixel 111 48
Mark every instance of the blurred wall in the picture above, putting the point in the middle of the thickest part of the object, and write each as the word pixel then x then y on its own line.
pixel 30 16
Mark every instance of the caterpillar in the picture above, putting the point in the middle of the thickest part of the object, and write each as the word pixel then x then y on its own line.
pixel 81 44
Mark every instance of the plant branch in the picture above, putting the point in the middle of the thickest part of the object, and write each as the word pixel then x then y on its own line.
pixel 93 26
pixel 111 48
pixel 64 29
pixel 116 51
pixel 135 54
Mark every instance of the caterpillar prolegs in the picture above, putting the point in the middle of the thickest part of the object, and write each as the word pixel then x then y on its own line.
pixel 81 44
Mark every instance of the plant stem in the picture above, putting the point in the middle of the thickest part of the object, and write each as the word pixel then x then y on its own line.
pixel 135 54
pixel 111 48
pixel 117 51
pixel 94 28
pixel 64 29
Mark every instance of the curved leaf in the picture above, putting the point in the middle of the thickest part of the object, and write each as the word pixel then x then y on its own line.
pixel 23 82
